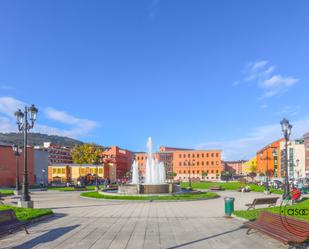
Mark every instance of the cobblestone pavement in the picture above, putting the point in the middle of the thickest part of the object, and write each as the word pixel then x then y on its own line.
pixel 89 223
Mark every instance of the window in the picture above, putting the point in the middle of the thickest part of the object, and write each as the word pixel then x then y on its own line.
pixel 212 154
pixel 184 164
pixel 202 154
pixel 179 163
pixel 179 171
pixel 100 171
pixel 207 163
pixel 217 163
pixel 184 155
pixel 58 171
pixel 212 172
pixel 212 162
pixel 138 158
pixel 179 155
pixel 193 155
pixel 54 171
pixel 184 172
pixel 189 163
pixel 207 155
pixel 188 171
pixel 217 171
pixel 198 155
pixel 189 155
pixel 193 171
pixel 198 172
pixel 217 154
pixel 142 158
pixel 202 163
pixel 207 171
pixel 197 163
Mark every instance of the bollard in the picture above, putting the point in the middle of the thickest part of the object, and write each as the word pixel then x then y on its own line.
pixel 229 205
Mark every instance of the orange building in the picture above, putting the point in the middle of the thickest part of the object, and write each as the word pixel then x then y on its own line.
pixel 235 167
pixel 270 157
pixel 8 166
pixel 122 158
pixel 200 164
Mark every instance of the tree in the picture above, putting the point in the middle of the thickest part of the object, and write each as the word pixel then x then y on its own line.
pixel 226 175
pixel 204 174
pixel 253 168
pixel 252 175
pixel 87 154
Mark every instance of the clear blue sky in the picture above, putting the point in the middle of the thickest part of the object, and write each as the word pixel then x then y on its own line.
pixel 198 74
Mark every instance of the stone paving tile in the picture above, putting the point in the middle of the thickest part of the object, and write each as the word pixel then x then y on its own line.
pixel 86 223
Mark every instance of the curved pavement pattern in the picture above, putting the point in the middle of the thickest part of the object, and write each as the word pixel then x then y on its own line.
pixel 86 223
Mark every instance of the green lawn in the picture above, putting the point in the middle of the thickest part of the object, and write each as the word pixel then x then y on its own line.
pixel 201 196
pixel 26 214
pixel 6 192
pixel 71 188
pixel 253 214
pixel 228 186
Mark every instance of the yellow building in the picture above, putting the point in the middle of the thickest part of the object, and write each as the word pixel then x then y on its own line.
pixel 249 165
pixel 72 172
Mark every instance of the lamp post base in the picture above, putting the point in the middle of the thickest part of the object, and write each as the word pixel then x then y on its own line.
pixel 17 192
pixel 25 204
pixel 266 192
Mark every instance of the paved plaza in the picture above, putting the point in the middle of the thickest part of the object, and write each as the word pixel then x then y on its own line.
pixel 87 223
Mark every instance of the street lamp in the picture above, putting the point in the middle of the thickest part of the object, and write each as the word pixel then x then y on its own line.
pixel 190 183
pixel 286 129
pixel 24 126
pixel 17 151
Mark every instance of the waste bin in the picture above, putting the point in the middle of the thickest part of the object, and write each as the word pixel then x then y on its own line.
pixel 229 205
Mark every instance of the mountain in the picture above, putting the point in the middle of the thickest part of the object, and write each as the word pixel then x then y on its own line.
pixel 38 139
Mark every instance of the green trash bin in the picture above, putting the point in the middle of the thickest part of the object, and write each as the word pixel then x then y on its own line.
pixel 229 205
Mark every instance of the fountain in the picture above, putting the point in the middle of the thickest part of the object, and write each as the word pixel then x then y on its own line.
pixel 155 178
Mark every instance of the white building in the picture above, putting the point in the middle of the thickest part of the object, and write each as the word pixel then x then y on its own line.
pixel 296 158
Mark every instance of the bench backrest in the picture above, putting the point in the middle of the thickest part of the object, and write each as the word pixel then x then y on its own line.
pixel 285 223
pixel 259 201
pixel 7 217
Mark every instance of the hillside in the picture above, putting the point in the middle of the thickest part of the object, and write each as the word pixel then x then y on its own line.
pixel 38 139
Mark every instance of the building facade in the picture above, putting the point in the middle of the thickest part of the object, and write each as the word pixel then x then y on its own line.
pixel 63 173
pixel 296 158
pixel 56 154
pixel 306 144
pixel 119 157
pixel 270 158
pixel 181 164
pixel 235 167
pixel 250 166
pixel 41 166
pixel 8 166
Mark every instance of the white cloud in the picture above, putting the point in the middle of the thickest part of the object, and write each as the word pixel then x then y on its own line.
pixel 271 84
pixel 77 127
pixel 246 147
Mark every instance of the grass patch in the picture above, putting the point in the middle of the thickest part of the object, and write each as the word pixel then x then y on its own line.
pixel 71 188
pixel 228 186
pixel 199 196
pixel 253 214
pixel 26 214
pixel 6 192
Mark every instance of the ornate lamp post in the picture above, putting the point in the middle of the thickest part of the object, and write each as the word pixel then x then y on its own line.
pixel 286 129
pixel 17 151
pixel 24 126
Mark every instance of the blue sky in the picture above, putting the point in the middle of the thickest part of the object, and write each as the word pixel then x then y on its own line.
pixel 198 74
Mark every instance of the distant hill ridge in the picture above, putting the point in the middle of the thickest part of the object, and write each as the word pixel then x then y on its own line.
pixel 38 139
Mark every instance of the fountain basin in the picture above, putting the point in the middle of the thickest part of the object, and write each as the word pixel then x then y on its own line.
pixel 131 189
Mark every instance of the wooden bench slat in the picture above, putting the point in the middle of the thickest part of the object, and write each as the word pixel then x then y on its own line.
pixel 272 225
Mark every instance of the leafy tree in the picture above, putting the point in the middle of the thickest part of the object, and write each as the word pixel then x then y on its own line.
pixel 253 168
pixel 87 154
pixel 226 175
pixel 204 174
pixel 252 175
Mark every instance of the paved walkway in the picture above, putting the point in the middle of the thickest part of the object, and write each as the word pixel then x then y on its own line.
pixel 86 223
